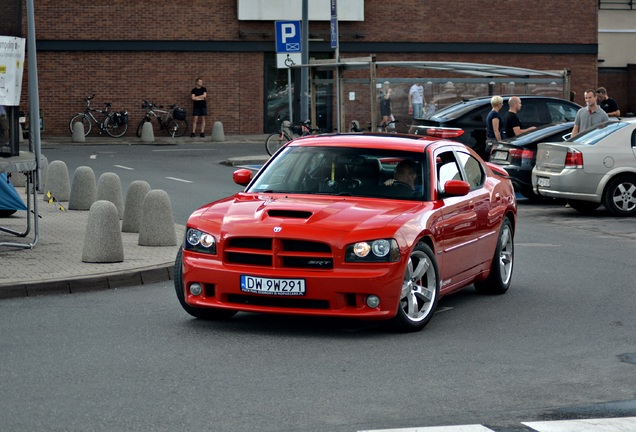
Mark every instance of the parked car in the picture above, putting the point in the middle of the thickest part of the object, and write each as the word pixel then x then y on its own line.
pixel 471 116
pixel 597 166
pixel 518 155
pixel 322 230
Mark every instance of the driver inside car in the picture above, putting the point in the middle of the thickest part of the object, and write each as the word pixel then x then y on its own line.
pixel 404 175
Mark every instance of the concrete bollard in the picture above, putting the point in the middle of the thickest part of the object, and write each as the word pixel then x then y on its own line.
pixel 57 181
pixel 134 202
pixel 109 189
pixel 217 132
pixel 147 133
pixel 102 242
pixel 157 224
pixel 83 189
pixel 79 132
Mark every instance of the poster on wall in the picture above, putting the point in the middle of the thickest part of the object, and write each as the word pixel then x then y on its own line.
pixel 11 69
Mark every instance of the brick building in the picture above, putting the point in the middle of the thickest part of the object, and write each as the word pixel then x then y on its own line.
pixel 127 51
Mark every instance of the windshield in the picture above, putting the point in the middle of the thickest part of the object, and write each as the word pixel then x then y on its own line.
pixel 593 135
pixel 343 171
pixel 453 111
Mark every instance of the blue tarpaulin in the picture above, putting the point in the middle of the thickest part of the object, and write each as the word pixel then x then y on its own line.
pixel 9 197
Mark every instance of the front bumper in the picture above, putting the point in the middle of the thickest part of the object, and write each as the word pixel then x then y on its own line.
pixel 341 291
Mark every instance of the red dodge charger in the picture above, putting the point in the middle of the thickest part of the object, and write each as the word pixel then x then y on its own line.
pixel 366 226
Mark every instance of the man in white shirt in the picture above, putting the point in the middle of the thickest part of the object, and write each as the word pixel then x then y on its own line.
pixel 416 100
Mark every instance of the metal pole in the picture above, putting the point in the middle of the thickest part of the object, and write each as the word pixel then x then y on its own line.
pixel 289 95
pixel 34 108
pixel 304 111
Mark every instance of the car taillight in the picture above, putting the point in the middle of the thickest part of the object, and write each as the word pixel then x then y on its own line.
pixel 574 159
pixel 444 132
pixel 521 154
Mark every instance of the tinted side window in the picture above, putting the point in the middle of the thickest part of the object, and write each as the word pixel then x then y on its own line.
pixel 560 112
pixel 530 113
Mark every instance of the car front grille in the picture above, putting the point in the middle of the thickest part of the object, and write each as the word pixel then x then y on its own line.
pixel 278 302
pixel 278 253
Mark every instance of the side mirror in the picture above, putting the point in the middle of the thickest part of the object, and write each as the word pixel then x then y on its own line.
pixel 456 188
pixel 242 177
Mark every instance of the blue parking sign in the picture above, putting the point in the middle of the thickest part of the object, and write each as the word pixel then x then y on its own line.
pixel 287 36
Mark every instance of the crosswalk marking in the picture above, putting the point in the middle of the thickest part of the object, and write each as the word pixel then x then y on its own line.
pixel 621 424
pixel 624 424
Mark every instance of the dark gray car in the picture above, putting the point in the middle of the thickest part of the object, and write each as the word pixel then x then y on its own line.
pixel 471 116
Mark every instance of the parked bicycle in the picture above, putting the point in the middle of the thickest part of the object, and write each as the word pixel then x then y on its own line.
pixel 114 123
pixel 173 121
pixel 286 134
pixel 382 127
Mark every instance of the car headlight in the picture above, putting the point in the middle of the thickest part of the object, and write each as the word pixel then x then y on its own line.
pixel 381 250
pixel 200 241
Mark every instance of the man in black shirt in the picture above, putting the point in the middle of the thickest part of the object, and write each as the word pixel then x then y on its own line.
pixel 512 125
pixel 606 103
pixel 199 107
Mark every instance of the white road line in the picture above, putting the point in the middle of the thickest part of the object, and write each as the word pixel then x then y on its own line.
pixel 621 424
pixel 125 167
pixel 460 428
pixel 179 180
pixel 93 156
pixel 624 424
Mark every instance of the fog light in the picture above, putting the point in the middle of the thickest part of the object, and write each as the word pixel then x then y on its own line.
pixel 196 289
pixel 373 301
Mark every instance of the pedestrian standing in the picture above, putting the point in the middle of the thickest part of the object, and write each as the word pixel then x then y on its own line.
pixel 590 115
pixel 416 101
pixel 512 124
pixel 607 104
pixel 199 107
pixel 494 125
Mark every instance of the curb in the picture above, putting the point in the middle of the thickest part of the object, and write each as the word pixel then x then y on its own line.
pixel 150 275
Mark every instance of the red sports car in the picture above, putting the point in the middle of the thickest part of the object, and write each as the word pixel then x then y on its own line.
pixel 366 226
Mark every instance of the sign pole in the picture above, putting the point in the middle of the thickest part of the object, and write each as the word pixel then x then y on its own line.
pixel 304 111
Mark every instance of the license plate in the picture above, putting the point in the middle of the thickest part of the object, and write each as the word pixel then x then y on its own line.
pixel 543 181
pixel 259 285
pixel 500 155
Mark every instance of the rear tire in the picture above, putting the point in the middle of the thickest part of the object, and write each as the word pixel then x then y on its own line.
pixel 113 129
pixel 498 281
pixel 274 142
pixel 620 196
pixel 420 291
pixel 206 314
pixel 81 118
pixel 176 128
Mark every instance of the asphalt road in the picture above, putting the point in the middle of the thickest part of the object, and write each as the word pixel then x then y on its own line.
pixel 560 344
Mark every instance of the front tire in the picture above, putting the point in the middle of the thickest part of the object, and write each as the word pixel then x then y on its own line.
pixel 114 129
pixel 81 118
pixel 498 281
pixel 420 291
pixel 141 125
pixel 620 196
pixel 206 314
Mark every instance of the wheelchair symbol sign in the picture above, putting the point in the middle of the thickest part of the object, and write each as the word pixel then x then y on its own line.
pixel 288 36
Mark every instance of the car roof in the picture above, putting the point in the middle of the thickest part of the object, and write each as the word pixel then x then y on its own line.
pixel 405 142
pixel 481 99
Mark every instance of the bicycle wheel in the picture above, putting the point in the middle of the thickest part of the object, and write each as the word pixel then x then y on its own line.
pixel 141 125
pixel 81 118
pixel 176 128
pixel 114 128
pixel 275 141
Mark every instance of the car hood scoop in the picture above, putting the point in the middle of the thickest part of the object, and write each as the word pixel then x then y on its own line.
pixel 292 214
pixel 247 212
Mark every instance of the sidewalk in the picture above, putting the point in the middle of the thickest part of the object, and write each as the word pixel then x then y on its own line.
pixel 54 265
